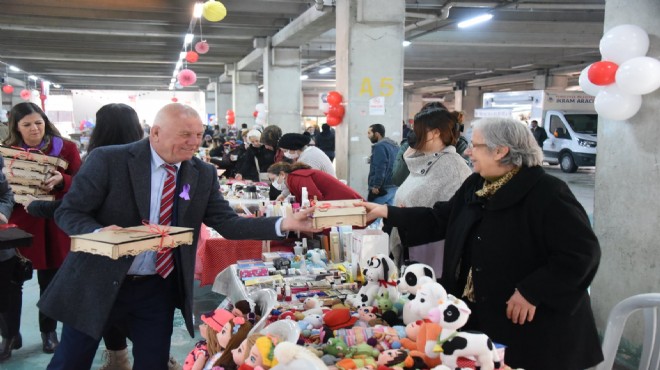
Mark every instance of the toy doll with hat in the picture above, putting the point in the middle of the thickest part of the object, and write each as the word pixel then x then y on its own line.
pixel 212 323
pixel 232 335
pixel 339 318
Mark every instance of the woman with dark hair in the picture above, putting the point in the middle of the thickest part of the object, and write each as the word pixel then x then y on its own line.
pixel 318 183
pixel 430 160
pixel 30 129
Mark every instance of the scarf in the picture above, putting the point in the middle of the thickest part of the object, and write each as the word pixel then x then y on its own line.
pixel 487 191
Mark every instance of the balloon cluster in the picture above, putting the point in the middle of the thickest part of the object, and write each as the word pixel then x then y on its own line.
pixel 230 117
pixel 336 111
pixel 260 114
pixel 624 75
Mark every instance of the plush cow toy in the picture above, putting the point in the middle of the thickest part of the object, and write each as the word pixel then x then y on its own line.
pixel 452 313
pixel 411 277
pixel 381 275
pixel 427 297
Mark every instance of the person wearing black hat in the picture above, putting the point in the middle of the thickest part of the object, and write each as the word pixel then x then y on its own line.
pixel 296 147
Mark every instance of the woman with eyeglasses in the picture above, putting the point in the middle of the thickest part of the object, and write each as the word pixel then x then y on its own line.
pixel 519 250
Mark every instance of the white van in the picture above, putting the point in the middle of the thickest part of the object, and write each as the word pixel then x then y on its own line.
pixel 569 119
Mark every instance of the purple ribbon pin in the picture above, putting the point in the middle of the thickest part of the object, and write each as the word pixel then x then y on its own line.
pixel 185 193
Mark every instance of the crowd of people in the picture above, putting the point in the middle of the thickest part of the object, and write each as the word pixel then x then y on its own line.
pixel 499 232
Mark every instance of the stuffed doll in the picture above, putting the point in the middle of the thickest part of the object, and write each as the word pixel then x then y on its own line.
pixel 401 359
pixel 262 353
pixel 411 278
pixel 232 335
pixel 356 363
pixel 427 298
pixel 419 335
pixel 365 315
pixel 242 351
pixel 452 313
pixel 293 357
pixel 212 324
pixel 381 274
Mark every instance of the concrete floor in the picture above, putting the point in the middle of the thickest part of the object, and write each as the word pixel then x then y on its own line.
pixel 31 357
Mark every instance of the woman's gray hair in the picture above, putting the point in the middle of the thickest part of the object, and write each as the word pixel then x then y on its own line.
pixel 523 149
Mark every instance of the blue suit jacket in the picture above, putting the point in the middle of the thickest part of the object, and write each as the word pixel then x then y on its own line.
pixel 113 187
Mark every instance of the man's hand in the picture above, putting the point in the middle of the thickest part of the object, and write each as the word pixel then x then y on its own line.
pixel 300 221
pixel 519 310
pixel 375 190
pixel 30 199
pixel 111 227
pixel 374 210
pixel 3 219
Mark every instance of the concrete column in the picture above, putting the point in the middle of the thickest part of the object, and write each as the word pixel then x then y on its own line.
pixel 224 98
pixel 557 82
pixel 467 100
pixel 369 65
pixel 627 195
pixel 413 104
pixel 245 96
pixel 283 88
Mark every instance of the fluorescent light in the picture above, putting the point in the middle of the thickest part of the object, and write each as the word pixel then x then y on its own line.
pixel 522 66
pixel 176 73
pixel 262 90
pixel 57 86
pixel 171 87
pixel 182 55
pixel 178 65
pixel 406 43
pixel 483 72
pixel 476 20
pixel 173 80
pixel 304 77
pixel 325 70
pixel 573 88
pixel 33 77
pixel 46 82
pixel 197 11
pixel 441 79
pixel 15 69
pixel 188 39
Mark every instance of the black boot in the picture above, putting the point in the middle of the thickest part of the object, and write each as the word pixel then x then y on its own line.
pixel 49 341
pixel 9 344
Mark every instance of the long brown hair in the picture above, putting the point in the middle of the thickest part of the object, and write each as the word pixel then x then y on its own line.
pixel 285 167
pixel 227 359
pixel 436 118
pixel 17 113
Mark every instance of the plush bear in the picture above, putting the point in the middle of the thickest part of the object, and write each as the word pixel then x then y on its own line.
pixel 452 313
pixel 427 297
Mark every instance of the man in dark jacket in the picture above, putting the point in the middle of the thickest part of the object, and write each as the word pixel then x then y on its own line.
pixel 383 155
pixel 538 132
pixel 326 141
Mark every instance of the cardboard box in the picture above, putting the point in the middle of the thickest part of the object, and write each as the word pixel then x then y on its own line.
pixel 24 177
pixel 28 189
pixel 28 165
pixel 130 241
pixel 339 212
pixel 252 271
pixel 13 237
pixel 11 153
pixel 23 199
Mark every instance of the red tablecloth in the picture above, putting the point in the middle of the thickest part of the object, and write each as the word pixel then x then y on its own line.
pixel 216 254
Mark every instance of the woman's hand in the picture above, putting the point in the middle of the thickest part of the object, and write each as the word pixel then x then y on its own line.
pixel 519 310
pixel 238 176
pixel 30 199
pixel 374 210
pixel 54 180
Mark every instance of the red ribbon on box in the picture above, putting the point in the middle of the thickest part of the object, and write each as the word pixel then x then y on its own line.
pixel 7 226
pixel 24 154
pixel 154 229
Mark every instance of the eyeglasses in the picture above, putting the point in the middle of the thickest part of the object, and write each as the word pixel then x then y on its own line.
pixel 473 145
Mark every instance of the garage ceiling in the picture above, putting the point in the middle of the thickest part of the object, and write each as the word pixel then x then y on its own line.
pixel 129 44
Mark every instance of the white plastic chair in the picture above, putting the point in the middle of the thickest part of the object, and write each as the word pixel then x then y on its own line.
pixel 650 304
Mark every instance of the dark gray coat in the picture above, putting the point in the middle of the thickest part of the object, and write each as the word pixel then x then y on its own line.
pixel 113 188
pixel 532 235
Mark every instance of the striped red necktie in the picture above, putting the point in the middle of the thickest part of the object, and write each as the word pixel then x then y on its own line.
pixel 164 258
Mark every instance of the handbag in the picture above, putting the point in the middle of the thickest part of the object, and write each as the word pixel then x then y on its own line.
pixel 23 270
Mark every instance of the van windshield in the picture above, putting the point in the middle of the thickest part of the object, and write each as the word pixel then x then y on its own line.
pixel 583 123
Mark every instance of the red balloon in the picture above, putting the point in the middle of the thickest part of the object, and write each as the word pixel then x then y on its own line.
pixel 333 120
pixel 25 94
pixel 192 57
pixel 336 110
pixel 8 89
pixel 255 114
pixel 230 113
pixel 602 73
pixel 174 100
pixel 230 119
pixel 334 98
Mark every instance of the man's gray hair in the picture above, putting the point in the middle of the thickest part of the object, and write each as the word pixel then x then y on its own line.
pixel 523 148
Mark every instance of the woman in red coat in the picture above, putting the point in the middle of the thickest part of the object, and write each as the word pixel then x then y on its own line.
pixel 318 183
pixel 30 128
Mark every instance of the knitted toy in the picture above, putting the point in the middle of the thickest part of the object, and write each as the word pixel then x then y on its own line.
pixel 263 353
pixel 356 363
pixel 452 313
pixel 292 357
pixel 410 280
pixel 401 359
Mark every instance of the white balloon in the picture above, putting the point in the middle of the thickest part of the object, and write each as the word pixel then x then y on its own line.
pixel 260 121
pixel 261 107
pixel 612 103
pixel 586 85
pixel 325 107
pixel 261 114
pixel 639 75
pixel 36 93
pixel 624 42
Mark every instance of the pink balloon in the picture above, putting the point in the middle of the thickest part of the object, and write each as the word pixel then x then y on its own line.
pixel 202 47
pixel 186 77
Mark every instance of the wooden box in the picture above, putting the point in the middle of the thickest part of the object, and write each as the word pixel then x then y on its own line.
pixel 24 177
pixel 11 153
pixel 28 189
pixel 28 165
pixel 339 212
pixel 130 241
pixel 23 199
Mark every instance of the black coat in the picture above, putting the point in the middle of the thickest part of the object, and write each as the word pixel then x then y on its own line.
pixel 532 235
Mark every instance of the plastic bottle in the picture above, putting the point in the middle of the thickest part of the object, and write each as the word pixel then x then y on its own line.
pixel 305 198
pixel 287 293
pixel 335 248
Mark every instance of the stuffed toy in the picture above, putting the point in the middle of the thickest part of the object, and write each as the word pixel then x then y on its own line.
pixel 240 354
pixel 382 337
pixel 316 258
pixel 362 350
pixel 365 315
pixel 356 363
pixel 381 274
pixel 263 352
pixel 427 297
pixel 401 359
pixel 409 282
pixel 420 335
pixel 212 324
pixel 233 334
pixel 336 347
pixel 452 313
pixel 292 357
pixel 310 322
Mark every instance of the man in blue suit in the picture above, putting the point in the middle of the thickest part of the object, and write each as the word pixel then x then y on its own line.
pixel 119 186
